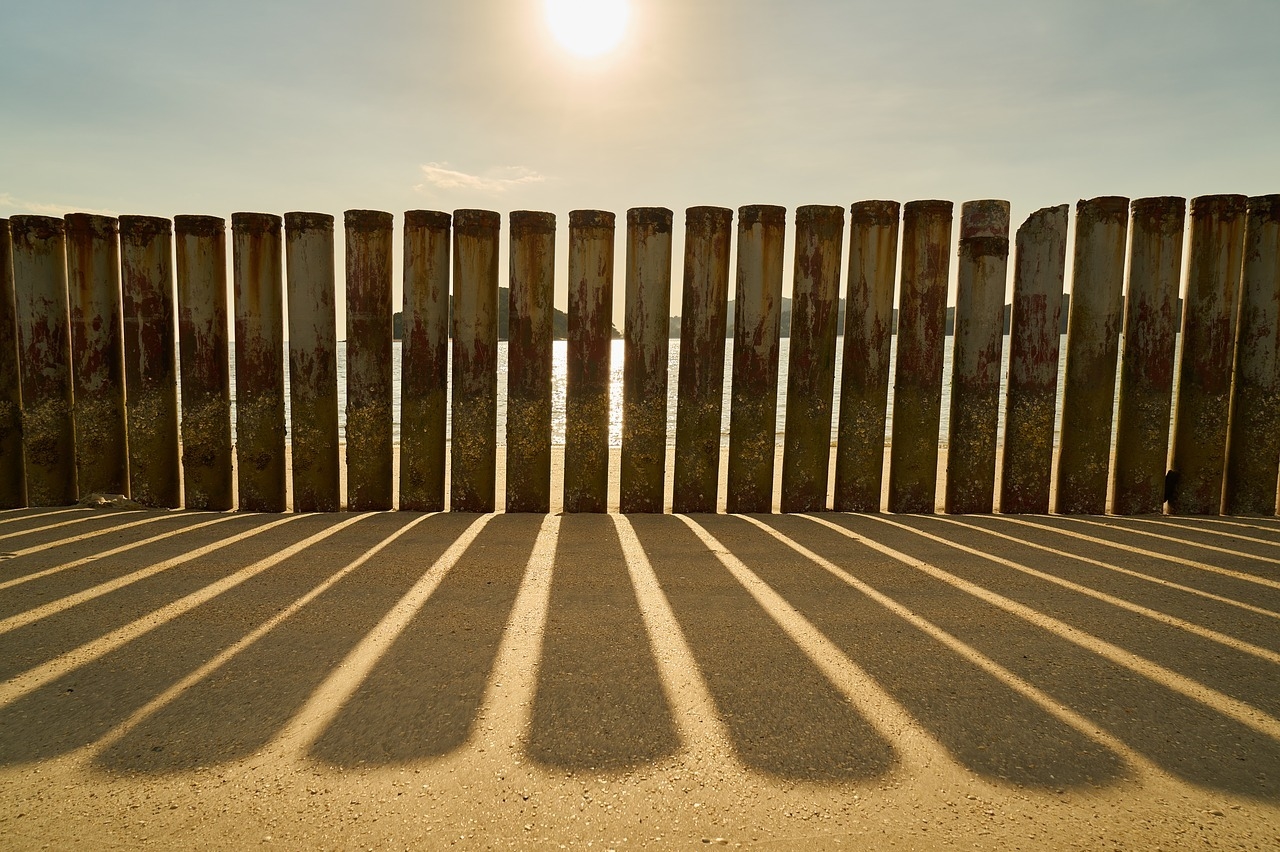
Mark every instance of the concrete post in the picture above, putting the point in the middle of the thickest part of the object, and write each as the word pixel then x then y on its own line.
pixel 1253 452
pixel 586 438
pixel 473 453
pixel 757 323
pixel 811 365
pixel 645 353
pixel 313 361
pixel 1208 349
pixel 1146 361
pixel 864 374
pixel 44 358
pixel 259 346
pixel 922 321
pixel 13 475
pixel 1027 461
pixel 202 349
pixel 150 361
pixel 369 346
pixel 97 353
pixel 703 317
pixel 1093 345
pixel 976 358
pixel 424 368
pixel 529 356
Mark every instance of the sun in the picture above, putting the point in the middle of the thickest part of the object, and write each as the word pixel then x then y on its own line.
pixel 588 27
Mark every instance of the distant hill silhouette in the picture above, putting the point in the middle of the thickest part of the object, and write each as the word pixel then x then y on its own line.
pixel 559 320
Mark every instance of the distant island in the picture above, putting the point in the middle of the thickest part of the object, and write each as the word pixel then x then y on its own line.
pixel 559 320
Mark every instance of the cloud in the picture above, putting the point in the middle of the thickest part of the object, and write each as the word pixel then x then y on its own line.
pixel 497 180
pixel 21 205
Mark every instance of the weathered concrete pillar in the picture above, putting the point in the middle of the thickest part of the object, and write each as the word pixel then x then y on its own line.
pixel 644 369
pixel 1253 452
pixel 259 346
pixel 1093 345
pixel 313 361
pixel 529 356
pixel 13 476
pixel 44 358
pixel 1208 349
pixel 757 323
pixel 1034 335
pixel 864 373
pixel 978 344
pixel 424 368
pixel 473 452
pixel 97 353
pixel 922 323
pixel 586 436
pixel 150 361
pixel 202 349
pixel 1146 361
pixel 811 367
pixel 704 313
pixel 369 346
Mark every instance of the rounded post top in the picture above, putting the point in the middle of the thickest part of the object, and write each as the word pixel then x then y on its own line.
pixel 365 221
pixel 531 222
pixel 92 225
pixel 144 227
pixel 704 218
pixel 882 213
pixel 1265 206
pixel 476 221
pixel 434 220
pixel 199 226
pixel 1165 212
pixel 1113 209
pixel 984 219
pixel 1229 206
pixel 299 221
pixel 590 219
pixel 762 214
pixel 36 227
pixel 658 218
pixel 928 207
pixel 254 224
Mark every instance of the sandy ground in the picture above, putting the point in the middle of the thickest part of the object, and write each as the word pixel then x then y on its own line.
pixel 394 680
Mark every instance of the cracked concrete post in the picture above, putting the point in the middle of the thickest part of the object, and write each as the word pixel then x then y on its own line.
pixel 150 361
pixel 1146 361
pixel 97 353
pixel 1208 349
pixel 259 349
pixel 978 345
pixel 424 354
pixel 864 373
pixel 645 354
pixel 586 438
pixel 44 358
pixel 757 323
pixel 473 452
pixel 313 361
pixel 703 318
pixel 529 356
pixel 811 366
pixel 1093 346
pixel 203 362
pixel 922 319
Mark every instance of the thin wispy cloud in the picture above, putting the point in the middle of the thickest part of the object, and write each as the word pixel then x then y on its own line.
pixel 497 180
pixel 8 203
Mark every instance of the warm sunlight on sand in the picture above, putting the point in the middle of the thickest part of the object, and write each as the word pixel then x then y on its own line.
pixel 588 27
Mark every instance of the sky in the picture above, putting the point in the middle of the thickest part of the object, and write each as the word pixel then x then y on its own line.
pixel 160 107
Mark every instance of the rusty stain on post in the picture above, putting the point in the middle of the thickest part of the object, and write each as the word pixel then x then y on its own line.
pixel 44 358
pixel 150 360
pixel 1093 345
pixel 646 348
pixel 1146 361
pixel 757 323
pixel 917 394
pixel 529 356
pixel 1039 267
pixel 864 374
pixel 369 348
pixel 424 354
pixel 976 357
pixel 313 361
pixel 1253 452
pixel 704 313
pixel 97 353
pixel 586 439
pixel 1208 349
pixel 473 453
pixel 13 476
pixel 259 349
pixel 203 362
pixel 811 364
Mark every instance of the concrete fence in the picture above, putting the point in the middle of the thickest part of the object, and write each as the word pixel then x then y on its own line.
pixel 89 365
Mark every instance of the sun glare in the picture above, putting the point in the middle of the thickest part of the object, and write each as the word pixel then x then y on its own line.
pixel 588 27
